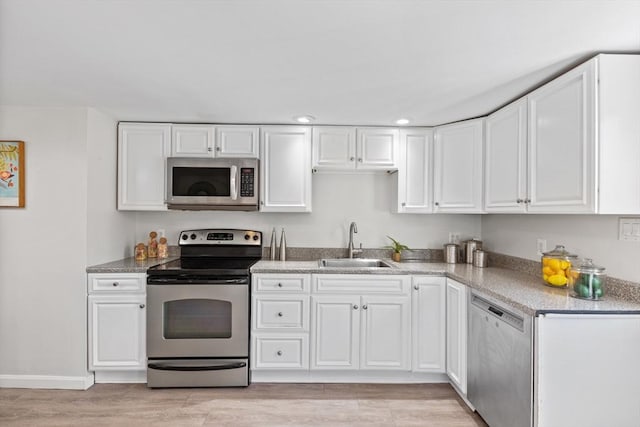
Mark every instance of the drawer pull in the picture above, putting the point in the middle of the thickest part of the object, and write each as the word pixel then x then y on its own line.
pixel 279 352
pixel 279 314
pixel 364 307
pixel 279 285
pixel 115 283
pixel 355 306
pixel 141 305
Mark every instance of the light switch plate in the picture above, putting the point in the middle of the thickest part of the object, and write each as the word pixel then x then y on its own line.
pixel 629 229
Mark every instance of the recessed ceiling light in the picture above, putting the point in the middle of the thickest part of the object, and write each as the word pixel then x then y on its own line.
pixel 402 122
pixel 304 119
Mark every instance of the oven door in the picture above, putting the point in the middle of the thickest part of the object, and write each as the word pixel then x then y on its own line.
pixel 209 320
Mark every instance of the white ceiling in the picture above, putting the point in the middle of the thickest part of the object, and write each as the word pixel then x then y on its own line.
pixel 344 62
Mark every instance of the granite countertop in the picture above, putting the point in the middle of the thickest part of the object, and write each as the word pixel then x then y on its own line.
pixel 128 265
pixel 520 290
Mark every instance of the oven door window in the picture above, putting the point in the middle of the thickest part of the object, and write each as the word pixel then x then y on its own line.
pixel 201 182
pixel 197 319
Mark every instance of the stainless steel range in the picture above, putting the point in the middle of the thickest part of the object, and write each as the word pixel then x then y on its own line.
pixel 198 311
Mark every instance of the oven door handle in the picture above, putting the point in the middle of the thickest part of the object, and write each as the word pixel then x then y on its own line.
pixel 234 182
pixel 171 367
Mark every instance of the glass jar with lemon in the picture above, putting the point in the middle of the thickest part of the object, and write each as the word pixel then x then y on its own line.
pixel 556 266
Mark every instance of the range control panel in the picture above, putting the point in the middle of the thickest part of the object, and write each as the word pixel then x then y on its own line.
pixel 223 236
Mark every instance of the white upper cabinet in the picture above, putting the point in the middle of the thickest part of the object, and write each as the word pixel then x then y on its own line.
pixel 285 184
pixel 192 140
pixel 457 180
pixel 237 141
pixel 376 148
pixel 415 171
pixel 346 148
pixel 334 147
pixel 506 159
pixel 142 152
pixel 562 143
pixel 214 141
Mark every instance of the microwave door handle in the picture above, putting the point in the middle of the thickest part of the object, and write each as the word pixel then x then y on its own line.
pixel 234 182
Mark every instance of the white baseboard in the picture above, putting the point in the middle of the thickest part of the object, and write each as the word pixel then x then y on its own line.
pixel 125 376
pixel 46 381
pixel 344 376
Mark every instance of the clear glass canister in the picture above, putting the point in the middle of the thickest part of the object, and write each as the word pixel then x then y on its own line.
pixel 587 280
pixel 556 265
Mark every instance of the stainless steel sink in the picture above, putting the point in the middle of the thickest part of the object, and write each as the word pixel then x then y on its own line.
pixel 352 263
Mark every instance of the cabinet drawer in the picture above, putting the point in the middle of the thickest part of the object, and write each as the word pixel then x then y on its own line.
pixel 289 283
pixel 123 282
pixel 281 351
pixel 281 312
pixel 360 283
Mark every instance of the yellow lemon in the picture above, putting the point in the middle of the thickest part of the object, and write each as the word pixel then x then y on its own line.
pixel 547 271
pixel 545 262
pixel 557 280
pixel 554 264
pixel 564 264
pixel 545 277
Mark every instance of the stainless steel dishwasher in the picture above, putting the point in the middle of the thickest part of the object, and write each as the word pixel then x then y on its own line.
pixel 500 384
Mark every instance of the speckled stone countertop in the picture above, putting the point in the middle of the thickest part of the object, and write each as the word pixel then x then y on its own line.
pixel 128 265
pixel 520 290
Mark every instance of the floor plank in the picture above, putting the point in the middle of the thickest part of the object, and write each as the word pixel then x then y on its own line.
pixel 257 405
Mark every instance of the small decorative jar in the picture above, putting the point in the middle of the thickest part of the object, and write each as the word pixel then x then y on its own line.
pixel 556 265
pixel 587 280
pixel 153 245
pixel 163 249
pixel 141 252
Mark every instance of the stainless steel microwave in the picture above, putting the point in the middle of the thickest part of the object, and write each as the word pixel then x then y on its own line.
pixel 212 184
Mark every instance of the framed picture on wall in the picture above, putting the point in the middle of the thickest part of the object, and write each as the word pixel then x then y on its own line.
pixel 12 174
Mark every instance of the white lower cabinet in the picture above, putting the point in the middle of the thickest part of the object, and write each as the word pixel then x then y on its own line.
pixel 117 326
pixel 456 296
pixel 351 329
pixel 428 324
pixel 280 321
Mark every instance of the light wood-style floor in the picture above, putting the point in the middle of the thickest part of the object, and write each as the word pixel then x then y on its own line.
pixel 258 405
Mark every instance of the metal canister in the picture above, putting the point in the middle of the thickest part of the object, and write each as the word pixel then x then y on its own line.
pixel 480 258
pixel 469 247
pixel 451 251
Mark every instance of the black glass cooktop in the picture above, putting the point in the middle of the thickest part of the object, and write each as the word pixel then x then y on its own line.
pixel 205 263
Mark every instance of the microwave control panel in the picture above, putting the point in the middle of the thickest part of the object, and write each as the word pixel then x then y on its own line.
pixel 247 182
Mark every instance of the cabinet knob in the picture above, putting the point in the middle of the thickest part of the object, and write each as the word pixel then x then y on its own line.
pixel 416 287
pixel 352 159
pixel 279 352
pixel 279 314
pixel 141 305
pixel 279 285
pixel 360 159
pixel 527 201
pixel 209 149
pixel 404 204
pixel 115 283
pixel 519 201
pixel 217 148
pixel 437 203
pixel 364 307
pixel 355 306
pixel 262 202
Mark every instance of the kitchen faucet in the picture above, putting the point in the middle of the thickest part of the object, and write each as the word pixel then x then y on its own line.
pixel 353 228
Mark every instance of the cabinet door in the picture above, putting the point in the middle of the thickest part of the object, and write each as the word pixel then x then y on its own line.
pixel 237 141
pixel 335 323
pixel 142 152
pixel 286 169
pixel 458 167
pixel 385 333
pixel 117 326
pixel 377 148
pixel 192 141
pixel 562 143
pixel 506 159
pixel 415 171
pixel 457 334
pixel 428 324
pixel 334 147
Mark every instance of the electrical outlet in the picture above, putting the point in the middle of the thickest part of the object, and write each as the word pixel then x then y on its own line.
pixel 541 244
pixel 454 237
pixel 629 229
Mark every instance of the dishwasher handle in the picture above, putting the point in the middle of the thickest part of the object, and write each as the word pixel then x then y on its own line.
pixel 495 311
pixel 505 315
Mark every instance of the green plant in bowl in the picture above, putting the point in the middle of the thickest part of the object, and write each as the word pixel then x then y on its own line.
pixel 397 248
